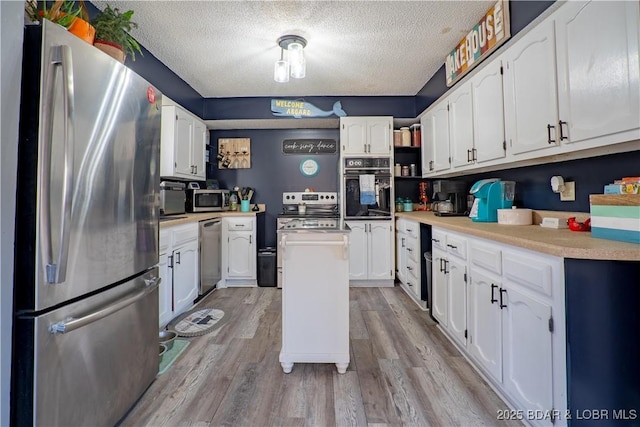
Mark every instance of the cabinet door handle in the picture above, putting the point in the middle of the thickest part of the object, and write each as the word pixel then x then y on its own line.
pixel 196 169
pixel 452 246
pixel 177 257
pixel 409 268
pixel 560 123
pixel 250 239
pixel 493 297
pixel 549 140
pixel 441 265
pixel 469 157
pixel 409 230
pixel 402 242
pixel 409 249
pixel 170 263
pixel 435 240
pixel 502 292
pixel 475 155
pixel 430 165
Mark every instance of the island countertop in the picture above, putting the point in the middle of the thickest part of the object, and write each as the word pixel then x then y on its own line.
pixel 559 242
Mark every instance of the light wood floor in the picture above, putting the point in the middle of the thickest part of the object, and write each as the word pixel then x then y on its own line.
pixel 403 371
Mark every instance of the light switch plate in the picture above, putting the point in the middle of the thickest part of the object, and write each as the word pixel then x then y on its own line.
pixel 569 192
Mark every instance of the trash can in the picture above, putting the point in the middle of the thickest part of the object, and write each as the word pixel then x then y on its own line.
pixel 267 266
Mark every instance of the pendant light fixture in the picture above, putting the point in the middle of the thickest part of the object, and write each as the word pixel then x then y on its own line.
pixel 295 64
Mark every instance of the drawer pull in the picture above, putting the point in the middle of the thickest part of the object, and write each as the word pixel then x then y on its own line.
pixel 502 305
pixel 493 297
pixel 452 246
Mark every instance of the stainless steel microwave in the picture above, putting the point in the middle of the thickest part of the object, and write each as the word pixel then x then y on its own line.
pixel 201 200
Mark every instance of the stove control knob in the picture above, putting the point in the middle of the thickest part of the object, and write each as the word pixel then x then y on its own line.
pixel 293 197
pixel 333 197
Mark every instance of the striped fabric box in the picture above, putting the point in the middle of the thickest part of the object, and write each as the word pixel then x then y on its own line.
pixel 616 217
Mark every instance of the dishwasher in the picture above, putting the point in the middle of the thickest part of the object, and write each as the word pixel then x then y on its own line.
pixel 210 254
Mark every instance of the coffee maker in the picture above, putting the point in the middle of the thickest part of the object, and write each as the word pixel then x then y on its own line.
pixel 490 195
pixel 450 198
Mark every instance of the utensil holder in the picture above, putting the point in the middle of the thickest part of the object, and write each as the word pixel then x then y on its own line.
pixel 244 205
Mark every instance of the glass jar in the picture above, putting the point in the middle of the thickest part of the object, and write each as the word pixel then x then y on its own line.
pixel 412 169
pixel 407 205
pixel 397 170
pixel 416 137
pixel 399 205
pixel 405 170
pixel 406 137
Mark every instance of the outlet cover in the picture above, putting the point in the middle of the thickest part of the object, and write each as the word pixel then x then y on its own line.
pixel 569 193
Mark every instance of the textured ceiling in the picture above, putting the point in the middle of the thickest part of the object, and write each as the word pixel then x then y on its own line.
pixel 355 48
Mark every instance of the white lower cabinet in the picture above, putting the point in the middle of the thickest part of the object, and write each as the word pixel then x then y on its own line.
pixel 450 284
pixel 512 311
pixel 239 253
pixel 408 260
pixel 371 252
pixel 178 263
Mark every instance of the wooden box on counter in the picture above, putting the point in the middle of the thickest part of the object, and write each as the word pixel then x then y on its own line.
pixel 615 217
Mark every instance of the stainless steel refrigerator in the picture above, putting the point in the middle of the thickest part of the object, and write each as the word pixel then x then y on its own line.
pixel 85 337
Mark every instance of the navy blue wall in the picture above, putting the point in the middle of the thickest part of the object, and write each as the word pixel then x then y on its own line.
pixel 159 75
pixel 273 172
pixel 533 189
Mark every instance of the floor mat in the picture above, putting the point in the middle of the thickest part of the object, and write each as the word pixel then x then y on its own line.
pixel 171 355
pixel 197 322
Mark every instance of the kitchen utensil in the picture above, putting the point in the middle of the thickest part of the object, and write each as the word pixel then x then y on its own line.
pixel 579 226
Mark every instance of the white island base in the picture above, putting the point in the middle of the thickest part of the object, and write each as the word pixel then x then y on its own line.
pixel 315 297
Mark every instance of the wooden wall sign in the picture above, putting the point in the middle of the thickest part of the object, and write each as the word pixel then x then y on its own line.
pixel 486 36
pixel 309 146
pixel 234 153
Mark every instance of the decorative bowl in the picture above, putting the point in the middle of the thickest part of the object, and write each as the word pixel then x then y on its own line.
pixel 167 338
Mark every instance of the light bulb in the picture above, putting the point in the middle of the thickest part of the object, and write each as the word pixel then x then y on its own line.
pixel 281 71
pixel 295 55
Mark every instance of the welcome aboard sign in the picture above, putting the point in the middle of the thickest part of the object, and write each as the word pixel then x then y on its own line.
pixel 486 36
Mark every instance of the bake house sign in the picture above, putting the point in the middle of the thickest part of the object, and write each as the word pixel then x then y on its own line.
pixel 485 37
pixel 300 109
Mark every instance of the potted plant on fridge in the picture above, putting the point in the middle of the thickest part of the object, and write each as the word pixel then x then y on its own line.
pixel 74 17
pixel 112 33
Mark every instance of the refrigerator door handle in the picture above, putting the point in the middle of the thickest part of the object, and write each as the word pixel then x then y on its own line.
pixel 71 324
pixel 60 56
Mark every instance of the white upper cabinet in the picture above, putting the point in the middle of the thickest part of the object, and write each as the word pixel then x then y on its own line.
pixel 488 113
pixel 366 135
pixel 461 125
pixel 435 139
pixel 183 143
pixel 531 109
pixel 597 56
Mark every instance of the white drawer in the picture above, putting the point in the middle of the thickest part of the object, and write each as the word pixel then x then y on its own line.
pixel 486 256
pixel 239 223
pixel 412 229
pixel 413 268
pixel 413 283
pixel 412 246
pixel 439 239
pixel 457 245
pixel 184 233
pixel 528 270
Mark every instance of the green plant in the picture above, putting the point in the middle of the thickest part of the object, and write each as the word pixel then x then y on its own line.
pixel 113 26
pixel 62 12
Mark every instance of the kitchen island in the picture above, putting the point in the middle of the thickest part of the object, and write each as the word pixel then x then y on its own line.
pixel 315 293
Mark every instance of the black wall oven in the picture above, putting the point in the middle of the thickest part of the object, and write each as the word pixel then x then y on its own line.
pixel 367 187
